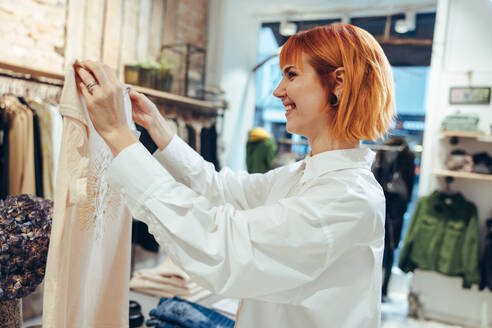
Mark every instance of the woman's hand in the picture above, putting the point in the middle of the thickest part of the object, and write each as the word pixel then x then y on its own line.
pixel 144 111
pixel 146 114
pixel 104 98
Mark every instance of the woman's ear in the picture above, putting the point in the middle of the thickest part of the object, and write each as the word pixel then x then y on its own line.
pixel 339 75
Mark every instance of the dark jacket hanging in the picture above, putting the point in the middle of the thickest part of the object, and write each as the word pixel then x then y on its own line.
pixel 486 258
pixel 4 153
pixel 395 172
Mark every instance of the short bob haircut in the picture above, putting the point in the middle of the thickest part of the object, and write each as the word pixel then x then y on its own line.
pixel 365 109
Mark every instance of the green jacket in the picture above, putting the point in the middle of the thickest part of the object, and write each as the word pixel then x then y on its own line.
pixel 443 236
pixel 260 154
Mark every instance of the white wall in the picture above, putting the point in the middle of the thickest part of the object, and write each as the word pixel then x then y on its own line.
pixel 462 42
pixel 232 52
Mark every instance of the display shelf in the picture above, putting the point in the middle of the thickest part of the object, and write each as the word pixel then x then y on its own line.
pixel 464 175
pixel 166 97
pixel 466 134
pixel 177 99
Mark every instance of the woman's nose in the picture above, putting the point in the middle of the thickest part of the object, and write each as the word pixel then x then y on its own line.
pixel 279 92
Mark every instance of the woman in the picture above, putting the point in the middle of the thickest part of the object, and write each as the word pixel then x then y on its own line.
pixel 301 245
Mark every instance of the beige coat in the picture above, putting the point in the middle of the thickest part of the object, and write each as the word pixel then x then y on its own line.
pixel 22 179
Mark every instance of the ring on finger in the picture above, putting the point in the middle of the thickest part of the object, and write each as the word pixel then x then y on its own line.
pixel 91 85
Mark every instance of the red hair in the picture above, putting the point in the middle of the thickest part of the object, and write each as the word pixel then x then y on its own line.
pixel 366 106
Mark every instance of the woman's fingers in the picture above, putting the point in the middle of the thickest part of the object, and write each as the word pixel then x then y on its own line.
pixel 85 93
pixel 97 70
pixel 85 76
pixel 135 96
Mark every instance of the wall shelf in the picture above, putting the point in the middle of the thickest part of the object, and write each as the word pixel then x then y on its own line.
pixel 464 175
pixel 164 97
pixel 180 100
pixel 465 134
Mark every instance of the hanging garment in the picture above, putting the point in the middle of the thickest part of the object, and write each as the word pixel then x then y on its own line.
pixel 38 156
pixel 4 151
pixel 22 178
pixel 395 172
pixel 486 258
pixel 56 133
pixel 208 142
pixel 167 280
pixel 88 266
pixel 260 151
pixel 301 245
pixel 443 237
pixel 44 116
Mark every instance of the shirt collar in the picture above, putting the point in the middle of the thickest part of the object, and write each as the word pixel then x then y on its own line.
pixel 335 160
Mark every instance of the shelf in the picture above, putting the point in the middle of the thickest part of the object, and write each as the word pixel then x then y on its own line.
pixel 466 134
pixel 464 175
pixel 179 100
pixel 161 96
pixel 35 73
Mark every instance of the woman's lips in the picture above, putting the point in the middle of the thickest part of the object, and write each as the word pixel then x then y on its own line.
pixel 289 109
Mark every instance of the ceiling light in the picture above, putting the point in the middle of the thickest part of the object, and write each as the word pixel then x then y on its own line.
pixel 287 28
pixel 408 24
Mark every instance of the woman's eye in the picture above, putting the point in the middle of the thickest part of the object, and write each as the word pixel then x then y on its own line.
pixel 291 74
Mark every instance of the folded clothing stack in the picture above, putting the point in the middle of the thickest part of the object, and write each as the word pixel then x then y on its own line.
pixel 167 280
pixel 460 122
pixel 460 160
pixel 482 163
pixel 179 313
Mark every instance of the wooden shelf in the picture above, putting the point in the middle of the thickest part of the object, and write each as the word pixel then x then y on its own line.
pixel 465 134
pixel 177 99
pixel 161 96
pixel 464 175
pixel 36 73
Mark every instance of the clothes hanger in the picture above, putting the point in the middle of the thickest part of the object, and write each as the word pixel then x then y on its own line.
pixel 448 193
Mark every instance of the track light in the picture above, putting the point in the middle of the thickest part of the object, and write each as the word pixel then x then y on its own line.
pixel 408 24
pixel 287 28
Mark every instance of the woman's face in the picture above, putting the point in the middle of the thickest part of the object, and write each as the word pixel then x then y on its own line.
pixel 304 99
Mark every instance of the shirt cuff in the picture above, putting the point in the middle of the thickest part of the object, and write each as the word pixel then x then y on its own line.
pixel 134 174
pixel 175 146
pixel 179 159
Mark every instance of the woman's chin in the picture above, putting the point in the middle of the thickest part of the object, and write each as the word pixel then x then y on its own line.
pixel 291 128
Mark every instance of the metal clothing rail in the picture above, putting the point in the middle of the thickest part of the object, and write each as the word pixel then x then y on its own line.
pixel 31 74
pixel 30 79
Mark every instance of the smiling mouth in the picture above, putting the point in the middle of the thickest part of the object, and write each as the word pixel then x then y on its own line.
pixel 290 107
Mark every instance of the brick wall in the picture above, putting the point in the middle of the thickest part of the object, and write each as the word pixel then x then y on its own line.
pixel 34 30
pixel 191 22
pixel 32 33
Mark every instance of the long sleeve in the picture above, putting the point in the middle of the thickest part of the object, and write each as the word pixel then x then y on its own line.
pixel 242 190
pixel 256 253
pixel 404 262
pixel 470 252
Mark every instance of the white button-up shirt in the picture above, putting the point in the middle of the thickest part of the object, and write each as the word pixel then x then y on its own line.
pixel 301 245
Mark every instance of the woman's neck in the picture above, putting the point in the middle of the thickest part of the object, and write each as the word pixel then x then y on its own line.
pixel 321 144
